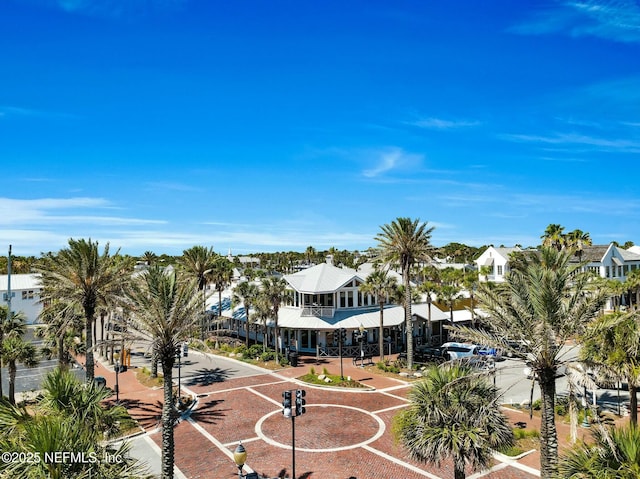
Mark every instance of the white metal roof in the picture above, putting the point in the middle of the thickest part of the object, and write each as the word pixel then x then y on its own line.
pixel 322 278
pixel 20 282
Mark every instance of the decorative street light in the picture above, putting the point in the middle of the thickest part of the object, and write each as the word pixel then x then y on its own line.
pixel 240 458
pixel 116 357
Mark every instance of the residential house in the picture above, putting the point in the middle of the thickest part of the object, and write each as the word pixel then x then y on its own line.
pixel 25 295
pixel 493 264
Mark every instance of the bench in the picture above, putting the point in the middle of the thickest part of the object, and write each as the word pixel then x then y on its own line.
pixel 368 360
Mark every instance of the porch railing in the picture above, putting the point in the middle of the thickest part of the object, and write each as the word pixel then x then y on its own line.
pixel 318 311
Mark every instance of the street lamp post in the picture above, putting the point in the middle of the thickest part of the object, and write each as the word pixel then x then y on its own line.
pixel 116 357
pixel 240 458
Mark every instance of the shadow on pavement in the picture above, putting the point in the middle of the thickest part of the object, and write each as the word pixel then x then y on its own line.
pixel 148 415
pixel 206 376
pixel 207 412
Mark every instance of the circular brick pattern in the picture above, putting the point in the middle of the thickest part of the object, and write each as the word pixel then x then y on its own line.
pixel 324 428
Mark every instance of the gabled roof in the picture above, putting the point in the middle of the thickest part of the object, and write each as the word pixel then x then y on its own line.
pixel 593 253
pixel 322 278
pixel 629 255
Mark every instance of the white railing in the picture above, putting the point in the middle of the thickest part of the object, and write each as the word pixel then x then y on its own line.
pixel 318 311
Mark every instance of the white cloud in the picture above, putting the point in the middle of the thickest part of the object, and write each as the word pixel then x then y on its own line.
pixel 617 144
pixel 16 211
pixel 441 124
pixel 390 160
pixel 617 20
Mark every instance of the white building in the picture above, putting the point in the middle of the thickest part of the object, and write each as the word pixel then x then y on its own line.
pixel 326 298
pixel 496 262
pixel 25 294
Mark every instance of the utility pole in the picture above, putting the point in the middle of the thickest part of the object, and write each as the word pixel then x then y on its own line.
pixel 9 315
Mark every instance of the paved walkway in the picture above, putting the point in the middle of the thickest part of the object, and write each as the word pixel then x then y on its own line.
pixel 343 435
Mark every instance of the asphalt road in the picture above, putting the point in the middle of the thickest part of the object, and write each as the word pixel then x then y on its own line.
pixel 30 379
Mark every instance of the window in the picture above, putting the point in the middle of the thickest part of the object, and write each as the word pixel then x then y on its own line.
pixel 28 294
pixel 499 272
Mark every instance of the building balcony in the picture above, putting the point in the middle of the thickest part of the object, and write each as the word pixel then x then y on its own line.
pixel 318 311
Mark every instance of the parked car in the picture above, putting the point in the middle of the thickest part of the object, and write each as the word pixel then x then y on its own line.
pixel 459 350
pixel 494 353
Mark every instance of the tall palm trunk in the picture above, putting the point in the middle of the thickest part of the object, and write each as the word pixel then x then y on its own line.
pixel 548 431
pixel 246 315
pixel 407 314
pixel 102 315
pixel 1 341
pixel 168 445
pixel 89 364
pixel 633 403
pixel 381 332
pixel 277 343
pixel 11 366
pixel 62 360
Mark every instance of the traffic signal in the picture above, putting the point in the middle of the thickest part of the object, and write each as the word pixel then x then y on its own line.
pixel 343 335
pixel 300 402
pixel 286 403
pixel 178 351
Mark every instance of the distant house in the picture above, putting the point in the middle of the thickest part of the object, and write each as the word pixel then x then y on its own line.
pixel 495 262
pixel 608 261
pixel 25 294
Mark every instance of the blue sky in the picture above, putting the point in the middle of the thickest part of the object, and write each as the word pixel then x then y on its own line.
pixel 276 125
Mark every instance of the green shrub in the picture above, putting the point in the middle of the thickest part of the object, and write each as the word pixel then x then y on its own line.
pixel 537 405
pixel 312 371
pixel 511 451
pixel 268 355
pixel 525 434
pixel 255 351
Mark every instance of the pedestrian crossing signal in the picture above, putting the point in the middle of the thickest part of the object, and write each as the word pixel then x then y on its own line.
pixel 300 402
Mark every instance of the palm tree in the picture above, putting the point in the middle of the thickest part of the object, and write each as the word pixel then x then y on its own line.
pixel 165 308
pixel 60 325
pixel 553 236
pixel 275 291
pixel 429 288
pixel 262 313
pixel 633 283
pixel 405 242
pixel 198 262
pixel 80 276
pixel 380 285
pixel 220 276
pixel 613 454
pixel 16 350
pixel 578 239
pixel 613 344
pixel 544 303
pixel 49 426
pixel 454 413
pixel 10 325
pixel 149 257
pixel 310 254
pixel 245 293
pixel 62 393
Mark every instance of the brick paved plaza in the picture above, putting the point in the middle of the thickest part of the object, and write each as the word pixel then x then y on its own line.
pixel 344 434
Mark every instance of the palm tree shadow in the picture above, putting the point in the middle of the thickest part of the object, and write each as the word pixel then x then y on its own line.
pixel 207 376
pixel 208 413
pixel 148 415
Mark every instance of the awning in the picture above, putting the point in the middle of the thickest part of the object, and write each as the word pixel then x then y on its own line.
pixel 617 261
pixel 488 262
